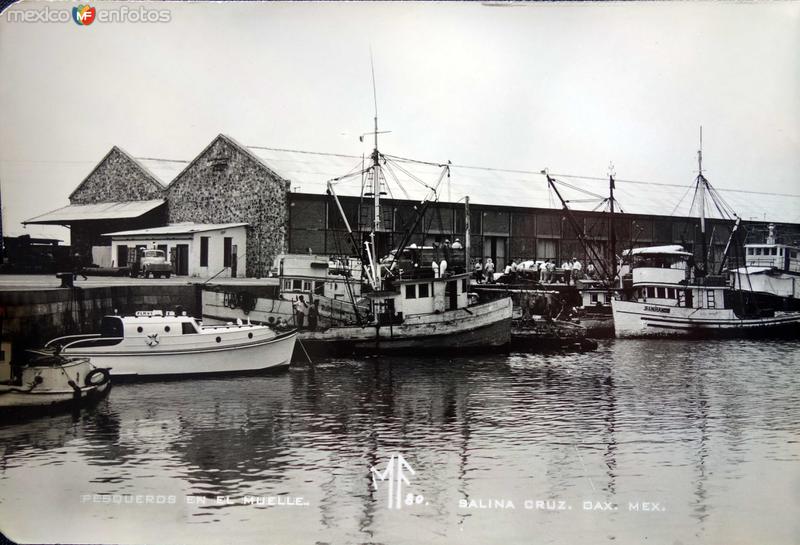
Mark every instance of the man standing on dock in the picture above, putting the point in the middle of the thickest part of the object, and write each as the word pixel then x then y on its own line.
pixel 77 266
pixel 313 315
pixel 576 270
pixel 300 310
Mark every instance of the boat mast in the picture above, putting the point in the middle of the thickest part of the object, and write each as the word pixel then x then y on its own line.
pixel 578 229
pixel 376 188
pixel 702 184
pixel 612 232
pixel 467 264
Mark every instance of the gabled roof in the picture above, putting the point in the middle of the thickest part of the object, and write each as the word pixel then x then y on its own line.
pixel 230 141
pixel 155 180
pixel 177 229
pixel 98 211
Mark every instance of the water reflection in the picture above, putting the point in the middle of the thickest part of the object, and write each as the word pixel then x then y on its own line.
pixel 681 424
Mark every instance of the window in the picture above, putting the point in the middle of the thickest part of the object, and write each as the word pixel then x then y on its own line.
pixel 319 288
pixel 758 251
pixel 593 297
pixel 464 285
pixel 297 285
pixel 411 291
pixel 424 290
pixel 651 292
pixel 187 328
pixel 661 293
pixel 306 285
pixel 749 251
pixel 670 293
pixel 204 251
pixel 774 251
pixel 287 284
pixel 227 246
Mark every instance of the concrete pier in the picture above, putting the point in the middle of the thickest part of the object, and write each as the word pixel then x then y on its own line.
pixel 31 317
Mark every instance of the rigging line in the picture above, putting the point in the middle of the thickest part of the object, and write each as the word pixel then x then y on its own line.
pixel 412 177
pixel 599 204
pixel 513 171
pixel 397 181
pixel 350 175
pixel 681 200
pixel 407 160
pixel 576 188
pixel 305 152
pixel 728 207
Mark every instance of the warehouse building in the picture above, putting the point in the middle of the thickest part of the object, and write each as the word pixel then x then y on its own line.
pixel 281 198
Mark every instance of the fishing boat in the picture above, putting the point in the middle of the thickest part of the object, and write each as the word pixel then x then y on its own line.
pixel 593 310
pixel 671 295
pixel 159 344
pixel 333 283
pixel 51 382
pixel 772 271
pixel 669 300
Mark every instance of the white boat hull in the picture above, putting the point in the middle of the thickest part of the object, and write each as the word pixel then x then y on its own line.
pixel 46 387
pixel 639 319
pixel 237 355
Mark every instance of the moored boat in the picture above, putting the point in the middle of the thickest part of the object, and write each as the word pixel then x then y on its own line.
pixel 772 271
pixel 158 344
pixel 667 299
pixel 51 382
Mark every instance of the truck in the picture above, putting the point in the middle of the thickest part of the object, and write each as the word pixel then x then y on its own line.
pixel 146 262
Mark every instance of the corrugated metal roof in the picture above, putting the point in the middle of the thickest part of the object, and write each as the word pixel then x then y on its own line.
pixel 177 229
pixel 310 171
pixel 164 170
pixel 97 211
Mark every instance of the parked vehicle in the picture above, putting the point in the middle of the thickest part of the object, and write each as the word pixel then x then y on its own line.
pixel 146 262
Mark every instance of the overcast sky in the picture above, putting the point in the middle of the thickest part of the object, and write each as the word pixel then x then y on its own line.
pixel 571 87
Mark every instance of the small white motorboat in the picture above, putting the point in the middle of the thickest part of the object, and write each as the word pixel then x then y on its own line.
pixel 51 382
pixel 154 344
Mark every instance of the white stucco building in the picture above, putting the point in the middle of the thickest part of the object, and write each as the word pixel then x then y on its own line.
pixel 195 249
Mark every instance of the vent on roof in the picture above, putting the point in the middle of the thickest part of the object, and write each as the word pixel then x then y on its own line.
pixel 219 163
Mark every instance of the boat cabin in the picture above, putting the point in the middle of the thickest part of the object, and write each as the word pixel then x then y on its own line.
pixel 662 275
pixel 411 296
pixel 773 255
pixel 315 275
pixel 595 296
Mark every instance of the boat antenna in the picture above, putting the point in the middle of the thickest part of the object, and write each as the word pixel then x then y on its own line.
pixel 701 187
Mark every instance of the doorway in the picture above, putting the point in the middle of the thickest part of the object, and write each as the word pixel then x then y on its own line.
pixel 182 259
pixel 495 247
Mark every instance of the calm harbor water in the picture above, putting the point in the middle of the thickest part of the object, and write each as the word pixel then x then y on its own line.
pixel 638 442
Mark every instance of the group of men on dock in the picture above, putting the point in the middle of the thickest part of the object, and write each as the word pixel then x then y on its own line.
pixel 570 271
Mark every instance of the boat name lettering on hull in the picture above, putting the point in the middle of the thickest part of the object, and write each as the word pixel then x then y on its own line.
pixel 656 309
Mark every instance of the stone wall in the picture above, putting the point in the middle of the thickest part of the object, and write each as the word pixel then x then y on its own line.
pixel 226 184
pixel 32 318
pixel 117 178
